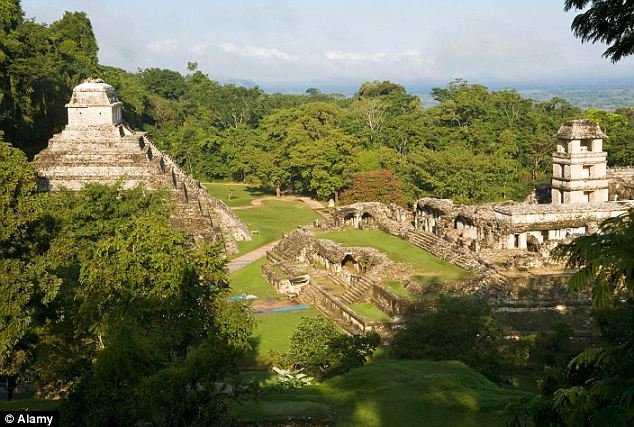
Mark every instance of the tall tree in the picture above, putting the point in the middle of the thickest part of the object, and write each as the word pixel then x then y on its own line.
pixel 606 21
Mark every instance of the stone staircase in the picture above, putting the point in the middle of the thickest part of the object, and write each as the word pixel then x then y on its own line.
pixel 358 291
pixel 318 207
pixel 195 210
pixel 453 254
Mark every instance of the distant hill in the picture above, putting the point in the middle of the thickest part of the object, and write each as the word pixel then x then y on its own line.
pixel 607 95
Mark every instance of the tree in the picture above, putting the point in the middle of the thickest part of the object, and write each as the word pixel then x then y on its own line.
pixel 375 186
pixel 606 21
pixel 166 83
pixel 24 284
pixel 458 328
pixel 604 260
pixel 596 388
pixel 322 351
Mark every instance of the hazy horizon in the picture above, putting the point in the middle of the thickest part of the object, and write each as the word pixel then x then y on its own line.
pixel 292 42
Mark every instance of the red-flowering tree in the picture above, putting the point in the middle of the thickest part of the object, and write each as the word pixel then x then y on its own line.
pixel 375 186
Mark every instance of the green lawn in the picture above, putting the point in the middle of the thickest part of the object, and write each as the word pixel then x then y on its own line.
pixel 249 280
pixel 235 195
pixel 403 393
pixel 397 289
pixel 370 311
pixel 272 333
pixel 272 219
pixel 427 266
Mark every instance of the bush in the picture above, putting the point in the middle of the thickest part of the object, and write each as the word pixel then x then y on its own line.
pixel 318 348
pixel 460 328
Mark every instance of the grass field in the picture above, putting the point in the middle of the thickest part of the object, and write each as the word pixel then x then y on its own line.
pixel 404 393
pixel 427 266
pixel 249 280
pixel 272 219
pixel 234 195
pixel 369 311
pixel 397 289
pixel 272 333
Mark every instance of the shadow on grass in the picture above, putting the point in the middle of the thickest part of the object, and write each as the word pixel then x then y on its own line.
pixel 403 393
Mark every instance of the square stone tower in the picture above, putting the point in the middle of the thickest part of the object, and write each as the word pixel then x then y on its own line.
pixel 98 147
pixel 579 164
pixel 94 112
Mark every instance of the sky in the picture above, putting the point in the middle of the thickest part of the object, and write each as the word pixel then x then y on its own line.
pixel 344 40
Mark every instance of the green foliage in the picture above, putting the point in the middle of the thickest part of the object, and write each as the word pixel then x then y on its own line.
pixel 165 83
pixel 375 186
pixel 606 21
pixel 286 379
pixel 554 348
pixel 459 328
pixel 321 350
pixel 596 388
pixel 394 393
pixel 604 261
pixel 19 208
pixel 38 67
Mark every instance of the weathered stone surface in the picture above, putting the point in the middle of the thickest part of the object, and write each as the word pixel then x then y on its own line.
pixel 621 183
pixel 580 129
pixel 97 147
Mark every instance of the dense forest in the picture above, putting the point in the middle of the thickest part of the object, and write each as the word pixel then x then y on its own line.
pixel 107 306
pixel 474 145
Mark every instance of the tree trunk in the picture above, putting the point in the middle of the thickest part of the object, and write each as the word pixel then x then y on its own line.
pixel 278 192
pixel 336 197
pixel 10 387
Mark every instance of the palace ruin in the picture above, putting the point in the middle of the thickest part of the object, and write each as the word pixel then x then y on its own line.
pixel 505 247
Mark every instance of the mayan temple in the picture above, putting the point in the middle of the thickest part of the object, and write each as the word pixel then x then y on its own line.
pixel 98 147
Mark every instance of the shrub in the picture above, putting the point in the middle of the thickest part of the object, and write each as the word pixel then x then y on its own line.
pixel 460 328
pixel 286 379
pixel 318 348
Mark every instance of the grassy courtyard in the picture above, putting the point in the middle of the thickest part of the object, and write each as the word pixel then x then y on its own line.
pixel 234 195
pixel 404 393
pixel 427 266
pixel 369 311
pixel 272 219
pixel 249 280
pixel 272 333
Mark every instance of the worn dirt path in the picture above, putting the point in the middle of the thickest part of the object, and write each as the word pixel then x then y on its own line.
pixel 249 257
pixel 313 204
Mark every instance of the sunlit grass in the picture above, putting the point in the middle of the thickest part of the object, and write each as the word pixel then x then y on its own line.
pixel 235 195
pixel 272 219
pixel 397 289
pixel 249 280
pixel 272 333
pixel 369 311
pixel 404 393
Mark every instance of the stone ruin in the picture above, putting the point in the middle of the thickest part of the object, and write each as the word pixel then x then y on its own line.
pixel 96 146
pixel 580 200
pixel 505 246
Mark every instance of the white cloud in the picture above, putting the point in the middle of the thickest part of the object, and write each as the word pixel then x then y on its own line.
pixel 258 52
pixel 408 55
pixel 199 49
pixel 162 46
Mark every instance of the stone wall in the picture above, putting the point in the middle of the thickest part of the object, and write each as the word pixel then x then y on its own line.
pixel 343 261
pixel 621 183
